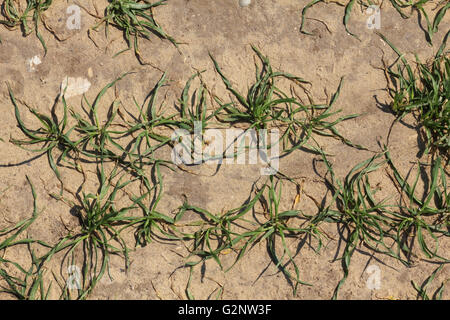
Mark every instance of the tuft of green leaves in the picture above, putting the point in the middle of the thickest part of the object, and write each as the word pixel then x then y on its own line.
pixel 426 95
pixel 399 5
pixel 266 106
pixel 135 18
pixel 22 283
pixel 234 231
pixel 413 219
pixel 354 206
pixel 99 235
pixel 15 17
pixel 52 135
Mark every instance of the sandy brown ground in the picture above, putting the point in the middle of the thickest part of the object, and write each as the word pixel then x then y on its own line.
pixel 225 30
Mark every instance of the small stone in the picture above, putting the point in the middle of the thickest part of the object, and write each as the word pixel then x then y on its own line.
pixel 244 3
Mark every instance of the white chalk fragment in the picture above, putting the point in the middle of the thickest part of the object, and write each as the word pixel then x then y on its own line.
pixel 32 62
pixel 74 86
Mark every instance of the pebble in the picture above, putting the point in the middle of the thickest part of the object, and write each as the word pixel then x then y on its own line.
pixel 244 3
